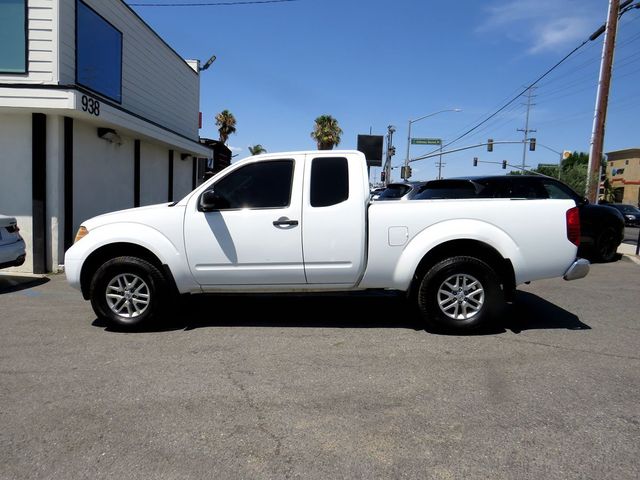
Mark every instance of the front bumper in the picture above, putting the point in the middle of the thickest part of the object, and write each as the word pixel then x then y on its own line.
pixel 578 269
pixel 72 270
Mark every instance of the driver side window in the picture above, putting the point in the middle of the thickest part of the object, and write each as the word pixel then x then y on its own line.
pixel 257 185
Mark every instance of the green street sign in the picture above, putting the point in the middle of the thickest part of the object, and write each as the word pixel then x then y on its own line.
pixel 426 141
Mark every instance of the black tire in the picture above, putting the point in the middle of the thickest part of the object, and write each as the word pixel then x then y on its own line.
pixel 462 287
pixel 606 245
pixel 131 286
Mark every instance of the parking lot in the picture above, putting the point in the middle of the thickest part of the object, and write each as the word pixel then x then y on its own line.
pixel 323 387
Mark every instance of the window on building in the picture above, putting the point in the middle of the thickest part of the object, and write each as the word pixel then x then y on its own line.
pixel 13 36
pixel 98 53
pixel 257 185
pixel 329 181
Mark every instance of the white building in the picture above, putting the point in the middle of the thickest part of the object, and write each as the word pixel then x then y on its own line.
pixel 97 113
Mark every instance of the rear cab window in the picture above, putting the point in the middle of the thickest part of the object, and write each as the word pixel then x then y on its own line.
pixel 329 181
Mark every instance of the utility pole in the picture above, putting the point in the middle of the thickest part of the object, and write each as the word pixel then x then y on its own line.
pixel 602 100
pixel 439 164
pixel 526 129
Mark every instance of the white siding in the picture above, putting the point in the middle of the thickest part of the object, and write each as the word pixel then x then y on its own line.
pixel 182 177
pixel 15 176
pixel 41 45
pixel 102 174
pixel 156 83
pixel 154 174
pixel 55 194
pixel 67 41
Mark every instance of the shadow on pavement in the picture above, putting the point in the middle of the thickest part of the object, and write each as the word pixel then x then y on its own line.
pixel 343 311
pixel 14 283
pixel 530 312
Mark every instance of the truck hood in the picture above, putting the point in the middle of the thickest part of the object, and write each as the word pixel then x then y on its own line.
pixel 136 215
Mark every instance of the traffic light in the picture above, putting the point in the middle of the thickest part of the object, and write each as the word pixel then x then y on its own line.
pixel 405 172
pixel 383 176
pixel 475 161
pixel 532 144
pixel 504 164
pixel 490 145
pixel 602 185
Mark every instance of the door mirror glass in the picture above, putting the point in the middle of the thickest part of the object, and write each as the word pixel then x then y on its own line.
pixel 211 200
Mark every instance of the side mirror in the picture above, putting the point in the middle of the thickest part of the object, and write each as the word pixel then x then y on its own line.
pixel 211 200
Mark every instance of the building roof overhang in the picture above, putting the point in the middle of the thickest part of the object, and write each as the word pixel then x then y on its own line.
pixel 75 102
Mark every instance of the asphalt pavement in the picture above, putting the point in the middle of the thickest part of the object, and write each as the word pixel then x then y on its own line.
pixel 323 387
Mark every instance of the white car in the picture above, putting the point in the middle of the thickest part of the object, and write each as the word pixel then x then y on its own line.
pixel 302 222
pixel 12 248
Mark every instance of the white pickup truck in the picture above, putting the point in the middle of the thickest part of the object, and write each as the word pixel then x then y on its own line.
pixel 303 222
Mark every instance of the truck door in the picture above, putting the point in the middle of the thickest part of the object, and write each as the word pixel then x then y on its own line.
pixel 253 236
pixel 335 197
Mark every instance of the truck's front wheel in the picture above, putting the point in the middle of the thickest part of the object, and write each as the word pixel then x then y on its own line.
pixel 460 293
pixel 128 291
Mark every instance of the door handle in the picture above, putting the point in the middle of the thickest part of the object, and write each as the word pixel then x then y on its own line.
pixel 285 222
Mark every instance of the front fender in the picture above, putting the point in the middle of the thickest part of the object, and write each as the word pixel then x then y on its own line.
pixel 450 230
pixel 169 252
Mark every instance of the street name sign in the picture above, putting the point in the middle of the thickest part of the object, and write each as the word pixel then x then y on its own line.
pixel 426 141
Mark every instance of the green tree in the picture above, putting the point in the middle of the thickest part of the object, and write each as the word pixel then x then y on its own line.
pixel 326 132
pixel 226 123
pixel 257 149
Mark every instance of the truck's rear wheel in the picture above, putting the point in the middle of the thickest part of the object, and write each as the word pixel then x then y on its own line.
pixel 128 291
pixel 460 293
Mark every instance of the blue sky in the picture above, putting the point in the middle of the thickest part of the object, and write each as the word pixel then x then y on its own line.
pixel 374 63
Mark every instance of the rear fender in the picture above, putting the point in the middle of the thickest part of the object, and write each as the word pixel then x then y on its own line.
pixel 448 231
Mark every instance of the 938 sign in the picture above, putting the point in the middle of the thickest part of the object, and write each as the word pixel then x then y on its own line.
pixel 90 105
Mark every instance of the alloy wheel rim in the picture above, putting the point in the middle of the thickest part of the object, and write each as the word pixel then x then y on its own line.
pixel 128 295
pixel 461 296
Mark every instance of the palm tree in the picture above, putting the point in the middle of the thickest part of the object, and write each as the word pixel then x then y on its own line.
pixel 326 132
pixel 257 149
pixel 226 123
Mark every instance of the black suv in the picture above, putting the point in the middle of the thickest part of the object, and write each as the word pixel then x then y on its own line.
pixel 601 227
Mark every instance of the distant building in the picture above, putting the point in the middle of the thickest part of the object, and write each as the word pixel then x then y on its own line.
pixel 623 171
pixel 97 113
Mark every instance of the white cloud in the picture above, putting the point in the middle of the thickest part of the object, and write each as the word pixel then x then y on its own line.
pixel 235 149
pixel 542 25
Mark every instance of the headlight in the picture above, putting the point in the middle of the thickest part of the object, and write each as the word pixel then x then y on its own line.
pixel 630 217
pixel 82 231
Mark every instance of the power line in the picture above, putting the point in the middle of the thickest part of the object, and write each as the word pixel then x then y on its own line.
pixel 517 96
pixel 592 37
pixel 208 4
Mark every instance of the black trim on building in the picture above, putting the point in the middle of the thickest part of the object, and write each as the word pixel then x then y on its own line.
pixel 170 186
pixel 68 182
pixel 194 174
pixel 39 190
pixel 136 173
